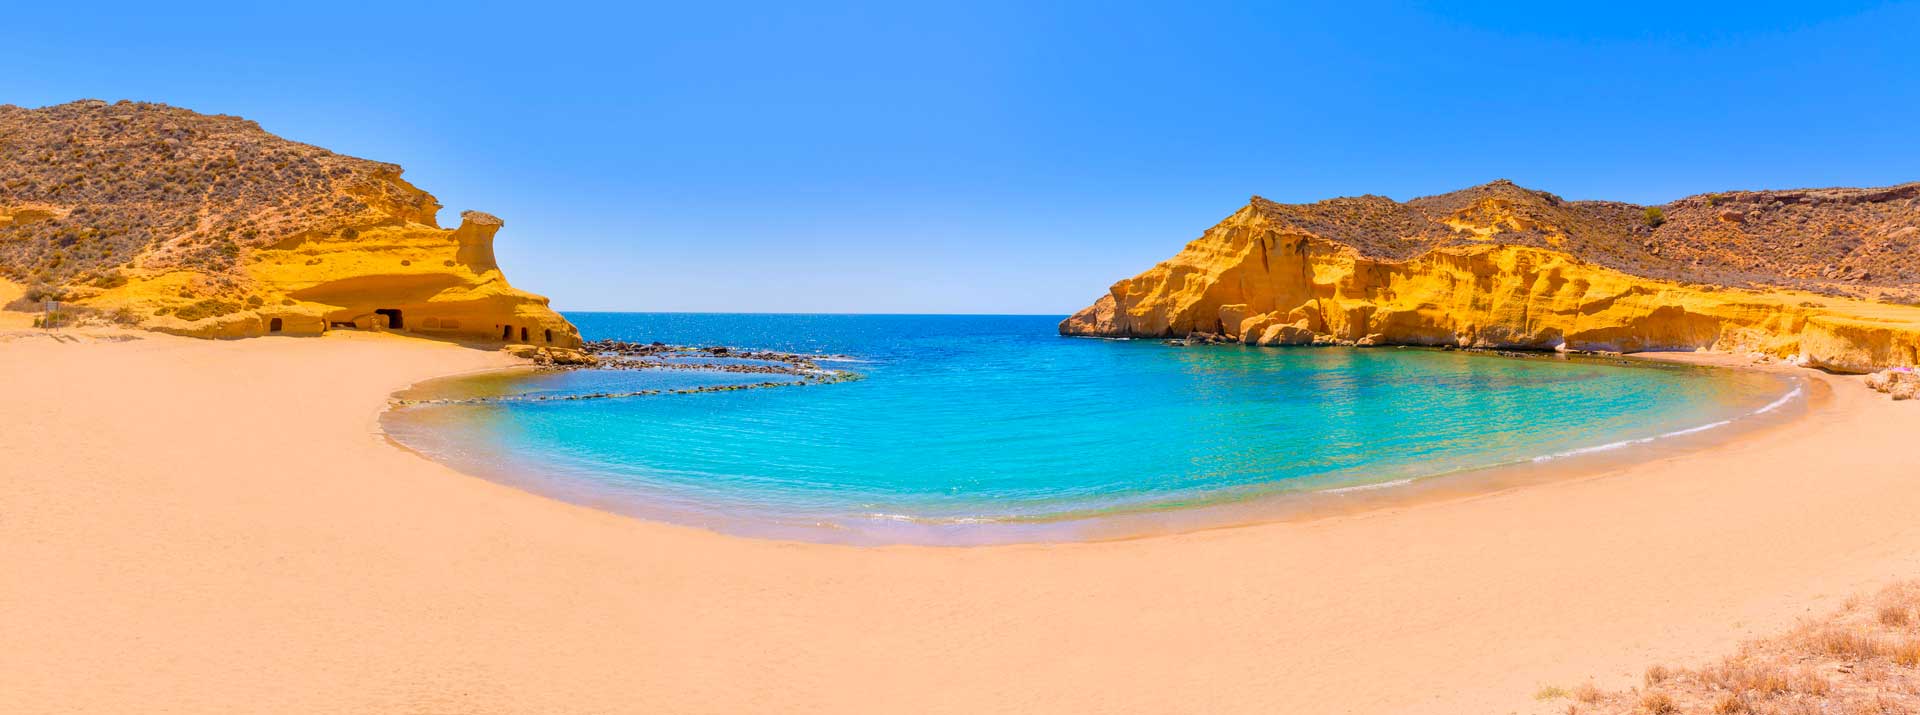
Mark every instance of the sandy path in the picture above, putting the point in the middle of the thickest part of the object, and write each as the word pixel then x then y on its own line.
pixel 191 526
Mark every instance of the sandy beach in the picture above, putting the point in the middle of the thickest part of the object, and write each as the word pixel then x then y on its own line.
pixel 219 526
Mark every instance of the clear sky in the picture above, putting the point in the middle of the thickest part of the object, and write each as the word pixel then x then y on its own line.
pixel 988 157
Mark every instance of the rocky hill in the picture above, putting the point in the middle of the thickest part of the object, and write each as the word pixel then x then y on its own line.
pixel 207 225
pixel 1824 275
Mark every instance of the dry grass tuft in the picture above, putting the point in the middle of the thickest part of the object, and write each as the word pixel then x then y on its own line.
pixel 1588 693
pixel 1862 660
pixel 1658 703
pixel 1730 704
pixel 1840 641
pixel 1905 653
pixel 1657 674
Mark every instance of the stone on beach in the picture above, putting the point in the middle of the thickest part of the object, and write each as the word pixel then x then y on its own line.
pixel 1898 383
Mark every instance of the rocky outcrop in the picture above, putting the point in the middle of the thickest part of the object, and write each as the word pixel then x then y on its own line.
pixel 1497 267
pixel 209 226
pixel 1898 383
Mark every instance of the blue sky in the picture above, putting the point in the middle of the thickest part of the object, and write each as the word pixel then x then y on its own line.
pixel 1001 158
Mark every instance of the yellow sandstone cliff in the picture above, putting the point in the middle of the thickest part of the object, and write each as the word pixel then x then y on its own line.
pixel 209 226
pixel 411 277
pixel 1496 266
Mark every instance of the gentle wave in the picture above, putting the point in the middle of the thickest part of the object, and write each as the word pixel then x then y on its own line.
pixel 1777 404
pixel 911 519
pixel 1369 487
pixel 1771 406
pixel 999 424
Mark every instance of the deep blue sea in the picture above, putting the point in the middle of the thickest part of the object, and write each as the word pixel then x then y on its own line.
pixel 978 428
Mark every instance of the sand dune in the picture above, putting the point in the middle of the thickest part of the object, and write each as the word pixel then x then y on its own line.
pixel 196 526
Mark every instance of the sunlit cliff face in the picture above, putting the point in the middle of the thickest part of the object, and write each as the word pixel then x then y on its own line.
pixel 209 226
pixel 1505 267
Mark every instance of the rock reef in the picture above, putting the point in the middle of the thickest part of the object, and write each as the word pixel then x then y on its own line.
pixel 209 226
pixel 1818 276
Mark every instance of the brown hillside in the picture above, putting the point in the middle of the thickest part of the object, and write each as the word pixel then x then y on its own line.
pixel 1861 242
pixel 171 187
pixel 1817 276
pixel 208 225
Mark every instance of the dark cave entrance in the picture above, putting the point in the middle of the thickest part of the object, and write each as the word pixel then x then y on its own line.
pixel 274 325
pixel 393 318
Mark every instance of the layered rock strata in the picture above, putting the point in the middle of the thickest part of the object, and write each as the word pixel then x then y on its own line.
pixel 1499 266
pixel 208 226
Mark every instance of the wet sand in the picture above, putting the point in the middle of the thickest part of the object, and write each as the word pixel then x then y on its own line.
pixel 198 526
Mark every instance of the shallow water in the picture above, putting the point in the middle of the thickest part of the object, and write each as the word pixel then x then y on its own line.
pixel 965 425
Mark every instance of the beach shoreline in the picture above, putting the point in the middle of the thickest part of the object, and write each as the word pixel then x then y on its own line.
pixel 1220 509
pixel 252 542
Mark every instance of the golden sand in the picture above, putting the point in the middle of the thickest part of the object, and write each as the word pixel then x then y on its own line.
pixel 202 526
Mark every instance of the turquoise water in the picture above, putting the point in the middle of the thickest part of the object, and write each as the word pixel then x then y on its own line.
pixel 965 425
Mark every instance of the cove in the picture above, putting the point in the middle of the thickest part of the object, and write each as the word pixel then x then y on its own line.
pixel 984 429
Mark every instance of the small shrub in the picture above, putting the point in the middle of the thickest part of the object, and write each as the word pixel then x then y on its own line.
pixel 209 308
pixel 1587 693
pixel 1905 653
pixel 1655 216
pixel 1658 704
pixel 1657 674
pixel 1894 615
pixel 1730 704
pixel 1843 642
pixel 1810 683
pixel 1550 692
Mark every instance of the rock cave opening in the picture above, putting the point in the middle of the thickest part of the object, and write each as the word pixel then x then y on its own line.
pixel 394 321
pixel 274 325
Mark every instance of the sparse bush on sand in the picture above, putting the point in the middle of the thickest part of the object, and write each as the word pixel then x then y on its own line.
pixel 1863 659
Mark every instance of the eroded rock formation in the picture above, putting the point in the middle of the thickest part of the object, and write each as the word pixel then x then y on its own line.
pixel 1500 266
pixel 209 226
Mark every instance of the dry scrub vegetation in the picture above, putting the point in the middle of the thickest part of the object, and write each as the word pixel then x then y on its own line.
pixel 1863 659
pixel 1859 242
pixel 88 189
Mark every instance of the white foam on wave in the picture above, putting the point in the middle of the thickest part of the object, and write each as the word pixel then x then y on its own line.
pixel 1701 428
pixel 1595 448
pixel 911 519
pixel 1367 487
pixel 1771 406
pixel 1777 404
